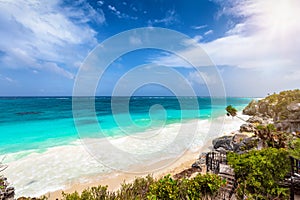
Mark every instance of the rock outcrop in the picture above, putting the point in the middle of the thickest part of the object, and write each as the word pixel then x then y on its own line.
pixel 238 143
pixel 283 108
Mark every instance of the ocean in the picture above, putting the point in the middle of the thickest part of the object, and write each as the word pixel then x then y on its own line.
pixel 41 137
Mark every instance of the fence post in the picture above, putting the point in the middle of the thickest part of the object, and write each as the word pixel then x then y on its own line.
pixel 292 192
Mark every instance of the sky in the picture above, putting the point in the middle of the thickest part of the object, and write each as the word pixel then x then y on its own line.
pixel 253 44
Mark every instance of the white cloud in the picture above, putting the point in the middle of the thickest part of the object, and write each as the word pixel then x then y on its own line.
pixel 112 8
pixel 34 33
pixel 170 18
pixel 266 37
pixel 198 27
pixel 119 14
pixel 209 32
pixel 100 3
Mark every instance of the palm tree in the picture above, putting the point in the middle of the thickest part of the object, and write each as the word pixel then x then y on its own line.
pixel 231 111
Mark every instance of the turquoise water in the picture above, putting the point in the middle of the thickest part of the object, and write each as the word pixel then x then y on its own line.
pixel 37 123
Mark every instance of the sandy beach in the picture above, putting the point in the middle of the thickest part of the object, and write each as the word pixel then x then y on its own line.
pixel 114 179
pixel 72 168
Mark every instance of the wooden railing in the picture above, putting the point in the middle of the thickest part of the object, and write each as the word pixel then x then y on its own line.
pixel 292 181
pixel 213 161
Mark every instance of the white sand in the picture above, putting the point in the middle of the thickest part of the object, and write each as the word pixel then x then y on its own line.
pixel 168 150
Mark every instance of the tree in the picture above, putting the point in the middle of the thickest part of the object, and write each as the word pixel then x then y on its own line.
pixel 231 111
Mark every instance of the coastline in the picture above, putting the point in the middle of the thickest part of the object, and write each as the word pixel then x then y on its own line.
pixel 115 179
pixel 71 160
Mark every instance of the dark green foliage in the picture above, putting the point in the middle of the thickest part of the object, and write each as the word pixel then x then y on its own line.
pixel 231 111
pixel 200 187
pixel 208 184
pixel 165 188
pixel 138 189
pixel 294 148
pixel 258 173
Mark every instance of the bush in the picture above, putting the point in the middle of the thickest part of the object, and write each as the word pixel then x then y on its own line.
pixel 294 148
pixel 200 187
pixel 259 172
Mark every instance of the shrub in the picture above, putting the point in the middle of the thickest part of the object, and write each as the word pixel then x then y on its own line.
pixel 259 172
pixel 199 187
pixel 294 148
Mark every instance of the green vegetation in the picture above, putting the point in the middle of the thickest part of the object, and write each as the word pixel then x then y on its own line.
pixel 294 149
pixel 277 103
pixel 231 111
pixel 258 173
pixel 273 138
pixel 199 187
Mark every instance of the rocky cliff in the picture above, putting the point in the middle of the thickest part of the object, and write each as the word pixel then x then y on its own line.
pixel 283 108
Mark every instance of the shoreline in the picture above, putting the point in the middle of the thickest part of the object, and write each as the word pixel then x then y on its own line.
pixel 115 179
pixel 59 165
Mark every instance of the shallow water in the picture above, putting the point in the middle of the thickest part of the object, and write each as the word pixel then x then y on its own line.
pixel 45 153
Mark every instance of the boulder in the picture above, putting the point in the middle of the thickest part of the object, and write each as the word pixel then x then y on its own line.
pixel 263 108
pixel 251 108
pixel 256 119
pixel 294 107
pixel 237 138
pixel 225 142
pixel 200 162
pixel 246 144
pixel 197 165
pixel 247 128
pixel 221 150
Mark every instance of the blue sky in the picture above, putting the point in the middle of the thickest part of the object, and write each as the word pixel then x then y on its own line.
pixel 254 44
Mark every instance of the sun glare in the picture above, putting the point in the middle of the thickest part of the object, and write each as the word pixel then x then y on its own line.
pixel 282 16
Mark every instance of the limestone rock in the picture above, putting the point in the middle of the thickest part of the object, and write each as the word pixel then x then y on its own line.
pixel 294 107
pixel 247 128
pixel 251 109
pixel 237 138
pixel 224 142
pixel 255 119
pixel 246 144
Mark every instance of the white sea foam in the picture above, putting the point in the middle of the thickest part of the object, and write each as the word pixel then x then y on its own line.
pixel 59 167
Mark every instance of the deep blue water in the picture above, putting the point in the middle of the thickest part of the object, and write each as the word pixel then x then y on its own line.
pixel 42 122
